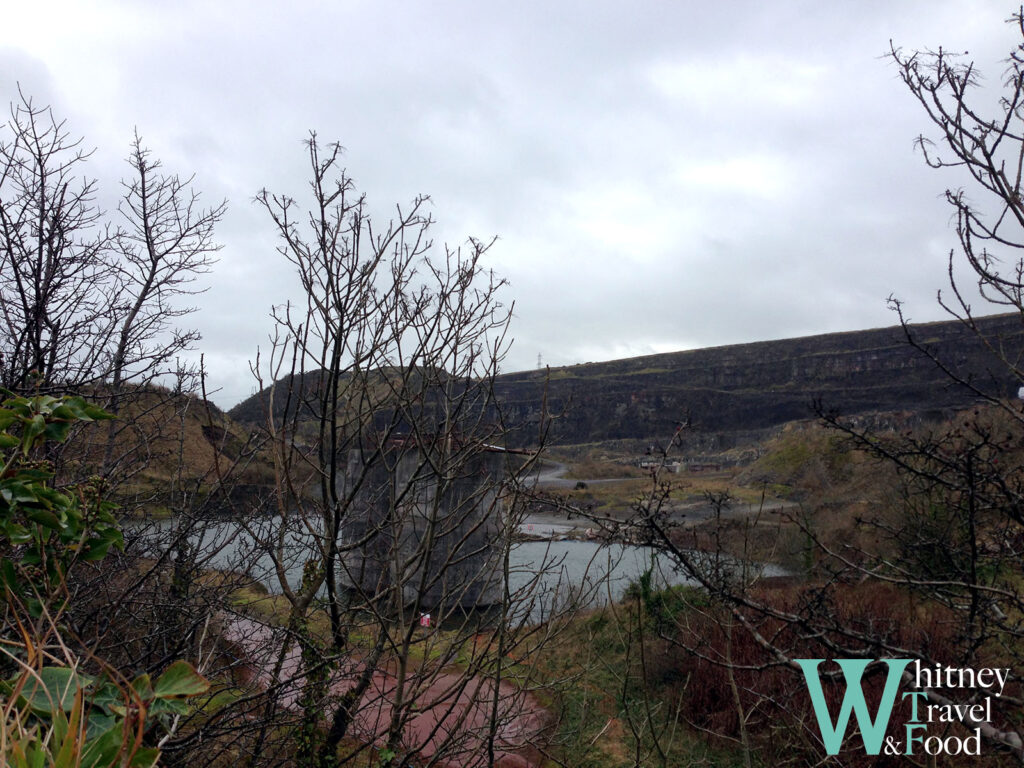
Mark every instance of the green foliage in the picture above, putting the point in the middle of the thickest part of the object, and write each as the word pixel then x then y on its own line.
pixel 664 606
pixel 66 718
pixel 789 456
pixel 50 529
pixel 43 418
pixel 53 715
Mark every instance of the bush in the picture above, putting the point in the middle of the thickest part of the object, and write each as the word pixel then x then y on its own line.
pixel 54 714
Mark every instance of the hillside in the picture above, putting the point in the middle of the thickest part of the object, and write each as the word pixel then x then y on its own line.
pixel 166 447
pixel 744 388
pixel 732 392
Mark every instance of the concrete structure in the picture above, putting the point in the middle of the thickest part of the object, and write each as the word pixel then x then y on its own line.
pixel 431 521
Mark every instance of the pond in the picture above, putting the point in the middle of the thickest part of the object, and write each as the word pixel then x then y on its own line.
pixel 544 576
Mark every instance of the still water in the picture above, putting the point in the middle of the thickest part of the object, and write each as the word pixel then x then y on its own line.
pixel 544 576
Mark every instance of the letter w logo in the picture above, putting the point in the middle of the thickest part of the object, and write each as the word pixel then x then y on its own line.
pixel 872 731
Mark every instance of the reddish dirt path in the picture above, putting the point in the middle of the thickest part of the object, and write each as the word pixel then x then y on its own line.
pixel 452 715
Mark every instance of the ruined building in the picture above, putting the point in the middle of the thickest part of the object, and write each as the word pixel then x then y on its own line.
pixel 426 522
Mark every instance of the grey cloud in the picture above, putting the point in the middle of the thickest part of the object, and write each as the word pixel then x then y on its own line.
pixel 659 175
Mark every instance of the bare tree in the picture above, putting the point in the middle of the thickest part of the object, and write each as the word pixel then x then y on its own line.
pixel 55 275
pixel 91 303
pixel 396 499
pixel 935 576
pixel 989 146
pixel 164 244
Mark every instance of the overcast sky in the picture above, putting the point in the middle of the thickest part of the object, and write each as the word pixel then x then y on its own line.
pixel 660 176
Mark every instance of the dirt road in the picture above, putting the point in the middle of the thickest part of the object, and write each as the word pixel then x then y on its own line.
pixel 451 718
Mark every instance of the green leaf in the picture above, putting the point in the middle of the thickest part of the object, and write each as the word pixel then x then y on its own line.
pixel 17 533
pixel 180 679
pixel 31 557
pixel 68 735
pixel 45 518
pixel 8 417
pixel 143 686
pixel 51 495
pixel 35 607
pixel 36 757
pixel 168 707
pixel 44 403
pixel 57 431
pixel 59 725
pixel 8 576
pixel 145 757
pixel 103 751
pixel 98 723
pixel 104 538
pixel 95 413
pixel 54 689
pixel 95 549
pixel 15 492
pixel 20 407
pixel 40 475
pixel 106 693
pixel 82 409
pixel 64 412
pixel 33 430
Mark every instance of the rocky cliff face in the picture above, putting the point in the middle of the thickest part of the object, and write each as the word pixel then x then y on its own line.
pixel 755 386
pixel 747 388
